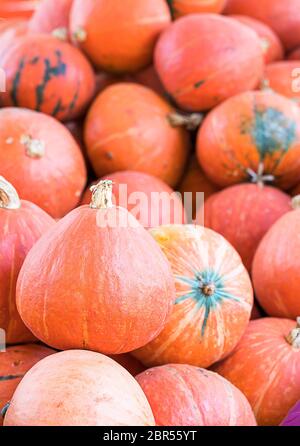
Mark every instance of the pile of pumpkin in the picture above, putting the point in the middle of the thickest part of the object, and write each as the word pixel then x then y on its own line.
pixel 152 324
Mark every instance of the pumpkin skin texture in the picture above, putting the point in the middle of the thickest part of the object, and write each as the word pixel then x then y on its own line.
pixel 39 156
pixel 283 78
pixel 243 214
pixel 199 75
pixel 52 17
pixel 194 397
pixel 254 131
pixel 181 8
pixel 68 384
pixel 294 55
pixel 119 35
pixel 47 75
pixel 212 310
pixel 135 117
pixel 266 368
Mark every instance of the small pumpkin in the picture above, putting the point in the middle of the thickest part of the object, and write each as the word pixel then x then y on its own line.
pixel 135 117
pixel 213 302
pixel 181 8
pixel 294 55
pixel 116 299
pixel 131 364
pixel 15 362
pixel 78 388
pixel 118 35
pixel 253 136
pixel 284 78
pixel 39 156
pixel 201 75
pixel 265 366
pixel 194 397
pixel 17 8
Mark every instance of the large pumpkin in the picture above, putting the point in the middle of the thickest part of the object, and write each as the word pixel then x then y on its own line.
pixel 127 128
pixel 149 199
pixel 183 395
pixel 244 213
pixel 78 388
pixel 214 298
pixel 21 225
pixel 265 366
pixel 48 75
pixel 14 363
pixel 116 298
pixel 199 75
pixel 39 156
pixel 276 267
pixel 255 135
pixel 284 78
pixel 180 8
pixel 119 35
pixel 52 17
pixel 17 8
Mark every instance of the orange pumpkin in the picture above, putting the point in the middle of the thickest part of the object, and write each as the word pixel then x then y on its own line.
pixel 181 8
pixel 255 135
pixel 243 214
pixel 214 298
pixel 135 117
pixel 115 300
pixel 118 35
pixel 265 366
pixel 194 397
pixel 21 225
pixel 284 78
pixel 52 17
pixel 294 55
pixel 131 364
pixel 17 8
pixel 47 75
pixel 199 75
pixel 78 388
pixel 39 156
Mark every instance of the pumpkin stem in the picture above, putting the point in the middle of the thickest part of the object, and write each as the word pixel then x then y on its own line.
pixel 102 195
pixel 35 148
pixel 80 35
pixel 296 202
pixel 60 33
pixel 294 336
pixel 208 289
pixel 4 410
pixel 259 177
pixel 190 122
pixel 9 198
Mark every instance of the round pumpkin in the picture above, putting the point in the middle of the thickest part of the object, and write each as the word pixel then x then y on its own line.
pixel 131 116
pixel 194 397
pixel 118 35
pixel 115 300
pixel 265 366
pixel 15 362
pixel 78 388
pixel 276 266
pixel 131 364
pixel 284 78
pixel 52 17
pixel 213 298
pixel 21 225
pixel 17 8
pixel 243 214
pixel 181 8
pixel 253 136
pixel 199 75
pixel 39 156
pixel 294 55
pixel 47 75
pixel 282 16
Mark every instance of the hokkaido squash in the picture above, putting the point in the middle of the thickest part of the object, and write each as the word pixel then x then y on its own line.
pixel 15 362
pixel 194 397
pixel 253 136
pixel 21 225
pixel 131 364
pixel 294 55
pixel 116 299
pixel 265 366
pixel 284 78
pixel 214 298
pixel 17 8
pixel 133 117
pixel 181 8
pixel 243 214
pixel 276 267
pixel 199 75
pixel 47 75
pixel 282 16
pixel 78 388
pixel 39 156
pixel 118 35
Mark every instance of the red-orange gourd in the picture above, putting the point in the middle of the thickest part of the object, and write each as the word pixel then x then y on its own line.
pixel 255 135
pixel 213 303
pixel 39 156
pixel 294 55
pixel 284 78
pixel 198 74
pixel 48 75
pixel 265 366
pixel 52 17
pixel 243 214
pixel 181 8
pixel 78 388
pixel 127 128
pixel 21 225
pixel 115 299
pixel 17 8
pixel 119 35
